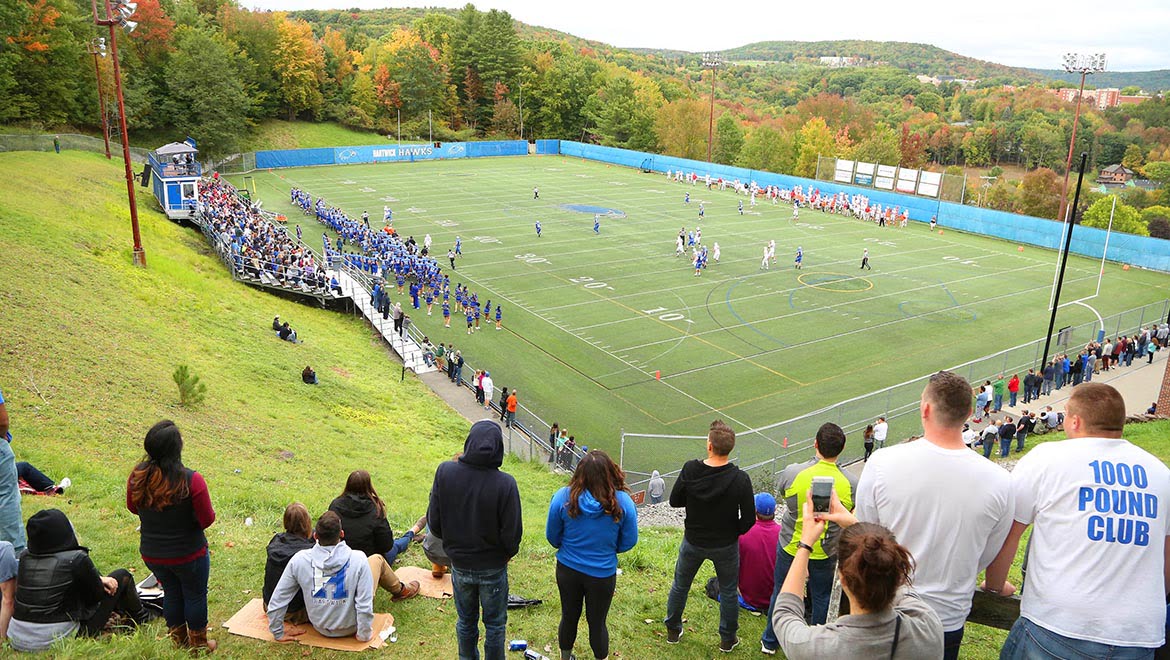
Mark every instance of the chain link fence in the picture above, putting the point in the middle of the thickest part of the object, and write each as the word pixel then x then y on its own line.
pixel 69 142
pixel 764 451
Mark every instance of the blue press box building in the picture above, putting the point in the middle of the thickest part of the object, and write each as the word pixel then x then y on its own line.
pixel 174 173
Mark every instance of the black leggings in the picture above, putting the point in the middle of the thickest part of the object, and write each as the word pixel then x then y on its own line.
pixel 125 600
pixel 596 593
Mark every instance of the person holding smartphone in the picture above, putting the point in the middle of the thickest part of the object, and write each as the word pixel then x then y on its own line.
pixel 886 618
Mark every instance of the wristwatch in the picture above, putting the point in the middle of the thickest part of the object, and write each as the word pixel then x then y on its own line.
pixel 802 544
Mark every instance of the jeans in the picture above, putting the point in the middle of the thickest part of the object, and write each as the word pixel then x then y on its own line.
pixel 690 558
pixel 124 600
pixel 184 592
pixel 951 642
pixel 11 524
pixel 997 403
pixel 1028 641
pixel 1020 436
pixel 1012 396
pixel 1005 446
pixel 1061 377
pixel 400 546
pixel 34 477
pixel 486 588
pixel 820 588
pixel 1047 388
pixel 988 443
pixel 596 594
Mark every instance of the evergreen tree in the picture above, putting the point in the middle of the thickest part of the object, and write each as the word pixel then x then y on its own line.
pixel 206 99
pixel 728 139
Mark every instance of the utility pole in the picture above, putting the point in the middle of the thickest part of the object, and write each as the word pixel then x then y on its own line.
pixel 711 61
pixel 1083 64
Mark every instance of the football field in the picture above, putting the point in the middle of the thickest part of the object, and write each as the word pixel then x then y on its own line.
pixel 608 330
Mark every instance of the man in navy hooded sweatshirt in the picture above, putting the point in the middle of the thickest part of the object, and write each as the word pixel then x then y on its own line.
pixel 475 510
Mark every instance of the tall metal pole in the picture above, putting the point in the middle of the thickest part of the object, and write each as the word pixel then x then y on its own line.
pixel 1063 261
pixel 711 61
pixel 1074 63
pixel 110 22
pixel 97 47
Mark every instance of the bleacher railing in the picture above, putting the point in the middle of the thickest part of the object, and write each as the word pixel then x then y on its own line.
pixel 766 450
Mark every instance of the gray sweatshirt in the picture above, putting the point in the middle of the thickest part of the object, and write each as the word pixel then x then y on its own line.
pixel 861 636
pixel 338 589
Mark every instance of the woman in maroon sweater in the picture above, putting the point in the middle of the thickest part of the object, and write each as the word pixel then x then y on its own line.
pixel 174 507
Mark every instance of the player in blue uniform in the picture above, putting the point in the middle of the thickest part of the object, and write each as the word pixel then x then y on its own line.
pixel 430 300
pixel 458 246
pixel 414 290
pixel 446 314
pixel 477 315
pixel 799 257
pixel 470 320
pixel 741 207
pixel 687 198
pixel 400 281
pixel 499 315
pixel 596 224
pixel 538 228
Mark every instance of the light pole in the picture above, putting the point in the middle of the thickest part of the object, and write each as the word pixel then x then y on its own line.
pixel 1083 64
pixel 711 61
pixel 988 182
pixel 121 17
pixel 97 48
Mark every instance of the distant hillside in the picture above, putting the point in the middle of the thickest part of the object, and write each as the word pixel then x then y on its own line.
pixel 915 58
pixel 1149 81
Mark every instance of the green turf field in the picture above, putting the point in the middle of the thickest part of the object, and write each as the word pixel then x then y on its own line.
pixel 593 320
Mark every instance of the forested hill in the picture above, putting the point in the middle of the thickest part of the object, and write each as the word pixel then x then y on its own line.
pixel 1147 81
pixel 915 58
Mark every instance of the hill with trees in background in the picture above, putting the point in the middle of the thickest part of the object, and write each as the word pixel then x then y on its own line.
pixel 214 70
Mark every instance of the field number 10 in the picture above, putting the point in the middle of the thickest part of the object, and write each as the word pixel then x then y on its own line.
pixel 669 316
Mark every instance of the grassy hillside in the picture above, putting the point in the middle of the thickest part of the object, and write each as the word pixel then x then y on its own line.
pixel 89 343
pixel 280 134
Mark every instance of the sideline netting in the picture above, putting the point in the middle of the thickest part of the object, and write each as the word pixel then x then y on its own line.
pixel 764 451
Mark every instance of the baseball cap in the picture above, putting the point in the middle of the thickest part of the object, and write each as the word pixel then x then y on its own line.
pixel 765 504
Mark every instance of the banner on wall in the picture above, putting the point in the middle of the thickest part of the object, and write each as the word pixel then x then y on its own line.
pixel 844 173
pixel 929 184
pixel 864 175
pixel 396 153
pixel 885 177
pixel 907 180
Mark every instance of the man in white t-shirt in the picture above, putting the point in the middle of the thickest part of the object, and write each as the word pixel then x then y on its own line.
pixel 1097 576
pixel 880 430
pixel 948 506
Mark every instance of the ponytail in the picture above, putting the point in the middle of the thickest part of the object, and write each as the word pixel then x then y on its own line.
pixel 873 565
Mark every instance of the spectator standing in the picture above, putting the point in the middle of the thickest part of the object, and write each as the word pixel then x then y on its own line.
pixel 1049 375
pixel 720 508
pixel 1013 388
pixel 793 485
pixel 886 618
pixel 950 509
pixel 7 586
pixel 757 556
pixel 11 522
pixel 1096 576
pixel 1007 432
pixel 1023 428
pixel 59 592
pixel 297 536
pixel 880 430
pixel 1029 385
pixel 488 386
pixel 475 510
pixel 339 582
pixel 174 507
pixel 504 406
pixel 510 405
pixel 998 388
pixel 867 439
pixel 656 489
pixel 989 438
pixel 590 522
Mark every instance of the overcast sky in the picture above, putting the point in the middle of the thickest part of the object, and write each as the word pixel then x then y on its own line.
pixel 1032 33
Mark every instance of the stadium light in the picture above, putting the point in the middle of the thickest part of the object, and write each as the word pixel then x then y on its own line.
pixel 97 48
pixel 711 61
pixel 118 14
pixel 1084 65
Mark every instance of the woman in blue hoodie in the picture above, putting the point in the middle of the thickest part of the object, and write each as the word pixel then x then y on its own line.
pixel 590 521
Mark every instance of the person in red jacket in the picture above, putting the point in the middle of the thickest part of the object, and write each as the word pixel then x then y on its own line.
pixel 1013 388
pixel 174 507
pixel 757 556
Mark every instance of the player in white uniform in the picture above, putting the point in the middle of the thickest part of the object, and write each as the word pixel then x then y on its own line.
pixel 715 251
pixel 679 248
pixel 764 262
pixel 772 250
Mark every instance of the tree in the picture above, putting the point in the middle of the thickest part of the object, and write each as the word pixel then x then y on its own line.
pixel 682 128
pixel 769 150
pixel 620 118
pixel 299 66
pixel 1125 218
pixel 1157 219
pixel 414 66
pixel 50 66
pixel 256 37
pixel 1158 171
pixel 728 139
pixel 814 141
pixel 881 146
pixel 929 102
pixel 206 98
pixel 1039 193
pixel 1133 159
pixel 912 147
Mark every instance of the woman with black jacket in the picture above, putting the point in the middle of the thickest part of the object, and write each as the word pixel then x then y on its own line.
pixel 59 592
pixel 297 536
pixel 365 528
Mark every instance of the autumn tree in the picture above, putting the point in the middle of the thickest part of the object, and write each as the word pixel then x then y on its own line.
pixel 814 140
pixel 881 146
pixel 206 98
pixel 1134 158
pixel 912 149
pixel 413 66
pixel 1125 217
pixel 769 150
pixel 1039 193
pixel 299 66
pixel 682 128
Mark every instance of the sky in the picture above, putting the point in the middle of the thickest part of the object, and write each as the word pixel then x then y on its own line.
pixel 1026 33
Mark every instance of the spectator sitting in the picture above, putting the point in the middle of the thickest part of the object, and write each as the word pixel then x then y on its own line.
pixel 886 618
pixel 1052 419
pixel 339 581
pixel 757 556
pixel 59 592
pixel 428 350
pixel 7 586
pixel 276 324
pixel 970 436
pixel 33 481
pixel 297 536
pixel 363 517
pixel 309 376
pixel 1153 409
pixel 433 549
pixel 286 333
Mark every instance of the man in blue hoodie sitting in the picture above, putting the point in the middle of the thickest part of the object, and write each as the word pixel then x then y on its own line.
pixel 475 510
pixel 336 581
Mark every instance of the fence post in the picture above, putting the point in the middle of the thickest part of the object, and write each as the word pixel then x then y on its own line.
pixel 622 451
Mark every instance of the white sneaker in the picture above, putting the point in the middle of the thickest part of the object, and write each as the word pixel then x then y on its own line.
pixel 65 483
pixel 765 650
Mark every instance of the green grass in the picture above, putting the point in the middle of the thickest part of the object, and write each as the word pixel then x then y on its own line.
pixel 89 346
pixel 278 134
pixel 591 319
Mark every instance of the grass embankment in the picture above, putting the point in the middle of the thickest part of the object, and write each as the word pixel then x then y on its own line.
pixel 89 346
pixel 278 134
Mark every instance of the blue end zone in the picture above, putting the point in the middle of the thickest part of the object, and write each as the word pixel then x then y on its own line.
pixel 594 210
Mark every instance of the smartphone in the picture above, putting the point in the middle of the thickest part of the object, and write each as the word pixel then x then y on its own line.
pixel 822 492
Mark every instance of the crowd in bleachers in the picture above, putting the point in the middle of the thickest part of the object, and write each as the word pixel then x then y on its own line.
pixel 258 248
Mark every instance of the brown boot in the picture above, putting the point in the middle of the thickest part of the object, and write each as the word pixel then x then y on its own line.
pixel 179 635
pixel 408 590
pixel 199 643
pixel 437 571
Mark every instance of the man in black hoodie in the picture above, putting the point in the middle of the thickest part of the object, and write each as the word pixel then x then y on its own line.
pixel 475 510
pixel 720 508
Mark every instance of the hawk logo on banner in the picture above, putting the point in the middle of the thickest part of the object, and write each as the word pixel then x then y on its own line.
pixel 346 154
pixel 456 150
